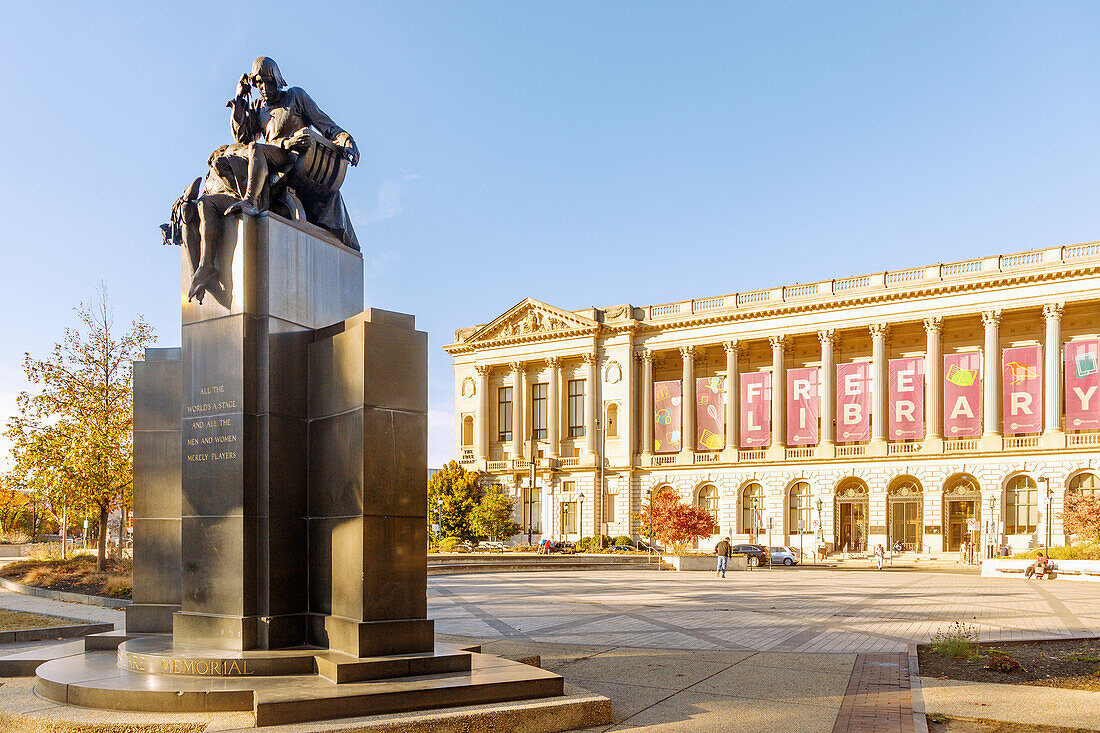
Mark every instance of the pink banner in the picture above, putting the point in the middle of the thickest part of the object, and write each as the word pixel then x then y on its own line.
pixel 1022 390
pixel 962 395
pixel 906 399
pixel 853 402
pixel 666 416
pixel 1082 385
pixel 802 404
pixel 710 414
pixel 756 410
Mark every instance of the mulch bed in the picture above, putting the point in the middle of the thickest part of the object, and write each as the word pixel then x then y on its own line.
pixel 74 575
pixel 1068 663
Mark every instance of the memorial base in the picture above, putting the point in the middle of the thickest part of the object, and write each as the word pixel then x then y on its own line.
pixel 370 638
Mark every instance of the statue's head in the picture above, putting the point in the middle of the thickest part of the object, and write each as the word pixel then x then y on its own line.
pixel 266 77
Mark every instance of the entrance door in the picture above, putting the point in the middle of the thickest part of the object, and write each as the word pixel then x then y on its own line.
pixel 852 527
pixel 905 524
pixel 958 511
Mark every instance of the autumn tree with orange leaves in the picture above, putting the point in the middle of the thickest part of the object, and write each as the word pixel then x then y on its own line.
pixel 676 524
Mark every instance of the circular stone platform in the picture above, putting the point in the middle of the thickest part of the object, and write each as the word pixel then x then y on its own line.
pixel 160 655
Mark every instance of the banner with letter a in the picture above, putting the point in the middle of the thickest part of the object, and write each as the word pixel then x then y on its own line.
pixel 710 413
pixel 853 402
pixel 802 406
pixel 962 395
pixel 666 416
pixel 1082 385
pixel 906 399
pixel 1022 390
pixel 756 410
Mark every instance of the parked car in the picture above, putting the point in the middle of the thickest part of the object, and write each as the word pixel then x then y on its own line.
pixel 490 547
pixel 621 548
pixel 758 554
pixel 785 555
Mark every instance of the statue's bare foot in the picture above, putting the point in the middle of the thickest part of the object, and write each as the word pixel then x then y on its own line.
pixel 200 280
pixel 244 206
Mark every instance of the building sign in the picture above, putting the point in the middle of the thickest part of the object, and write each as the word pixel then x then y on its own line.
pixel 1022 390
pixel 710 413
pixel 802 406
pixel 853 402
pixel 962 395
pixel 1082 385
pixel 756 410
pixel 667 400
pixel 906 399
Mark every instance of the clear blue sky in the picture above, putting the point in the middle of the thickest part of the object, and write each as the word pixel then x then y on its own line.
pixel 581 153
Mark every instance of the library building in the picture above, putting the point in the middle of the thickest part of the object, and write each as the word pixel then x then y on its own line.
pixel 929 407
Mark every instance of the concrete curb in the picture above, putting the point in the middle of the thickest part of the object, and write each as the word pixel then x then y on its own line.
pixel 920 719
pixel 72 631
pixel 58 595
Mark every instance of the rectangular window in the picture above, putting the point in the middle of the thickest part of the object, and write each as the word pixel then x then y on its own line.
pixel 539 403
pixel 532 510
pixel 610 514
pixel 504 414
pixel 576 408
pixel 569 517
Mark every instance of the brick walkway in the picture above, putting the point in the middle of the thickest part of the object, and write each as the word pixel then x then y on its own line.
pixel 878 697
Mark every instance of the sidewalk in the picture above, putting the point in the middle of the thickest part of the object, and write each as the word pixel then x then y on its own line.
pixel 1023 704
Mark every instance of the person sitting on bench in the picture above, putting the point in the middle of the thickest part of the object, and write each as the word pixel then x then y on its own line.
pixel 1038 568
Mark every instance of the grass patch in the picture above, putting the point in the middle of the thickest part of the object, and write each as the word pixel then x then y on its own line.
pixel 18 620
pixel 958 641
pixel 76 574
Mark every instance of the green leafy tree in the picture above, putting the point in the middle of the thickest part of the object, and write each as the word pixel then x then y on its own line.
pixel 453 495
pixel 492 517
pixel 86 388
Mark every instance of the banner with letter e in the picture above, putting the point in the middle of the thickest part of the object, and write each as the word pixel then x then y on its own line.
pixel 906 399
pixel 853 402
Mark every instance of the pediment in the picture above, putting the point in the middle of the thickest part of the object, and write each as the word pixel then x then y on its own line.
pixel 530 317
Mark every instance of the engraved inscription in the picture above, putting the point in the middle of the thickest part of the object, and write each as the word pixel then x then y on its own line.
pixel 213 400
pixel 211 439
pixel 201 667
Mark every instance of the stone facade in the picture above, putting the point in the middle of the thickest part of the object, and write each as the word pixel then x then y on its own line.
pixel 574 391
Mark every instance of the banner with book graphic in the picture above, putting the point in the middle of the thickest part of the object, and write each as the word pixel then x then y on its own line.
pixel 802 406
pixel 756 410
pixel 906 399
pixel 853 402
pixel 962 395
pixel 667 400
pixel 710 413
pixel 1082 385
pixel 1022 390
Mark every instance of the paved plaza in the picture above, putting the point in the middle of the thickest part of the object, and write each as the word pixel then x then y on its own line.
pixel 782 610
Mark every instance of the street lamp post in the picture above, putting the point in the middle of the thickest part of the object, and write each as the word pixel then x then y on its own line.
pixel 992 536
pixel 754 527
pixel 820 529
pixel 1046 517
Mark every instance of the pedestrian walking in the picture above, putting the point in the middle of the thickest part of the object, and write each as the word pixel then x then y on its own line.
pixel 724 551
pixel 880 555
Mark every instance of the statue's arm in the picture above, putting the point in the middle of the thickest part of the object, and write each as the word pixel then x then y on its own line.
pixel 244 121
pixel 325 125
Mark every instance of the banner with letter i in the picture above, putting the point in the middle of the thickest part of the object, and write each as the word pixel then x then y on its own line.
pixel 756 410
pixel 710 413
pixel 802 406
pixel 1022 387
pixel 962 395
pixel 1082 385
pixel 906 399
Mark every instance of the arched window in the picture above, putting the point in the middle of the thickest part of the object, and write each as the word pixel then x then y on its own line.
pixel 1087 484
pixel 468 430
pixel 708 499
pixel 1021 505
pixel 612 420
pixel 798 508
pixel 752 495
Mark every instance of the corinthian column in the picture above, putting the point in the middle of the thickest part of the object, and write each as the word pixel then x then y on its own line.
pixel 779 393
pixel 827 379
pixel 933 379
pixel 553 407
pixel 647 402
pixel 991 392
pixel 733 395
pixel 687 402
pixel 590 395
pixel 879 389
pixel 484 416
pixel 517 410
pixel 1053 436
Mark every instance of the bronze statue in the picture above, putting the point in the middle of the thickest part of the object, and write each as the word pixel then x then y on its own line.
pixel 296 171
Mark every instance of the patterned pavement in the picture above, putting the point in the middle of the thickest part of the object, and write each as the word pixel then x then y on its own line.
pixel 780 610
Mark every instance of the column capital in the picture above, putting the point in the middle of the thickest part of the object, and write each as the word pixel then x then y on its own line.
pixel 991 318
pixel 827 336
pixel 879 330
pixel 554 362
pixel 933 324
pixel 590 357
pixel 643 355
pixel 483 370
pixel 778 342
pixel 516 367
pixel 733 346
pixel 1053 311
pixel 687 352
